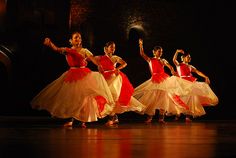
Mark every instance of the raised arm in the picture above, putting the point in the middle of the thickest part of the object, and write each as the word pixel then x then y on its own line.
pixel 50 44
pixel 145 57
pixel 175 61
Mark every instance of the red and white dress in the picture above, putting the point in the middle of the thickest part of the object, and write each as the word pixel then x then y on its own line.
pixel 162 91
pixel 120 86
pixel 201 93
pixel 78 93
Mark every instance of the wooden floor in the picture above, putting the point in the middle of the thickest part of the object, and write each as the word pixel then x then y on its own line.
pixel 42 137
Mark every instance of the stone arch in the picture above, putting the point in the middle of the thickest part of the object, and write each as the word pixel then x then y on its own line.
pixel 5 58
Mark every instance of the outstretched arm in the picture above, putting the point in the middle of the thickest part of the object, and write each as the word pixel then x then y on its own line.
pixel 50 44
pixel 175 61
pixel 142 51
pixel 93 59
pixel 170 67
pixel 207 80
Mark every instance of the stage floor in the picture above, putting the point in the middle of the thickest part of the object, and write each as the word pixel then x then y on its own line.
pixel 44 137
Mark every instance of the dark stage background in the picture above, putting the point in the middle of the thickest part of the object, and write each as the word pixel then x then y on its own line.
pixel 203 28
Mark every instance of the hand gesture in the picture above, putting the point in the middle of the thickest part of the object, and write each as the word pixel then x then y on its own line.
pixel 117 71
pixel 47 41
pixel 140 41
pixel 180 51
pixel 207 80
pixel 174 73
pixel 100 69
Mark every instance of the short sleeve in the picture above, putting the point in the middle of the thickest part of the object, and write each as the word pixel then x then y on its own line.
pixel 116 58
pixel 87 53
pixel 164 61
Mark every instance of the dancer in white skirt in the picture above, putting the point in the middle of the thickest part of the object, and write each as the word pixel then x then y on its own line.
pixel 201 94
pixel 78 93
pixel 162 91
pixel 119 84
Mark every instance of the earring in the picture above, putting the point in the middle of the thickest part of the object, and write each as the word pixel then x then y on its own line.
pixel 70 42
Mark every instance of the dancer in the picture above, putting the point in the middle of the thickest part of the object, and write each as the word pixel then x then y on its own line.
pixel 78 93
pixel 119 84
pixel 201 95
pixel 161 91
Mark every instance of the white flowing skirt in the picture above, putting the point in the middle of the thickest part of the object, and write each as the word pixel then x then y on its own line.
pixel 201 95
pixel 75 99
pixel 156 96
pixel 115 84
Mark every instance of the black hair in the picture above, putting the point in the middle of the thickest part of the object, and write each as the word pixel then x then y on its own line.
pixel 109 43
pixel 157 48
pixel 184 55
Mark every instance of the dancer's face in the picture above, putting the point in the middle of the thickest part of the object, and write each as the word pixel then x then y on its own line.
pixel 187 59
pixel 110 50
pixel 158 53
pixel 76 39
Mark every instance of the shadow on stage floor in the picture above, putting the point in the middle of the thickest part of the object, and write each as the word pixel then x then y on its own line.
pixel 44 137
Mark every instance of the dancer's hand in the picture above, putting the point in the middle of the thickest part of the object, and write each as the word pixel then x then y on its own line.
pixel 47 41
pixel 180 51
pixel 140 41
pixel 207 80
pixel 117 71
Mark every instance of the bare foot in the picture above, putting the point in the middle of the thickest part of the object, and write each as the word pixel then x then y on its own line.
pixel 68 124
pixel 116 121
pixel 188 120
pixel 176 118
pixel 149 120
pixel 109 123
pixel 161 121
pixel 83 125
